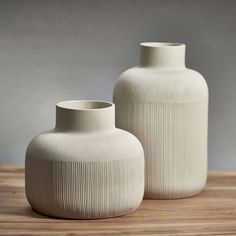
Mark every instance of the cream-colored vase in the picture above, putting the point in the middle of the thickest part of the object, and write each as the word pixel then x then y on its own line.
pixel 165 105
pixel 85 168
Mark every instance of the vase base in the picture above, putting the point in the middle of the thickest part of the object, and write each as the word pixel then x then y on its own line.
pixel 158 196
pixel 74 216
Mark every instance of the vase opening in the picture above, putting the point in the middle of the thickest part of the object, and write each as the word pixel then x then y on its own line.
pixel 162 55
pixel 84 105
pixel 161 44
pixel 85 116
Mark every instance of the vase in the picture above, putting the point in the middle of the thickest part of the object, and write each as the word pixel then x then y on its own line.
pixel 84 168
pixel 165 105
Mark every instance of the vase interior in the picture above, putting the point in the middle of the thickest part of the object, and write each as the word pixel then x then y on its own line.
pixel 84 105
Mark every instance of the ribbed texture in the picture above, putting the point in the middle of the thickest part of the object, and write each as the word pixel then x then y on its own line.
pixel 174 138
pixel 84 190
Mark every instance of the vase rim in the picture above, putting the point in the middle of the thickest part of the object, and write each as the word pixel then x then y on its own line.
pixel 162 44
pixel 84 105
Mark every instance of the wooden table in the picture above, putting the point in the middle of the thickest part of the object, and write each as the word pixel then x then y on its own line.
pixel 213 212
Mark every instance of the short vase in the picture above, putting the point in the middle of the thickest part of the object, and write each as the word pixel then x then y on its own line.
pixel 84 168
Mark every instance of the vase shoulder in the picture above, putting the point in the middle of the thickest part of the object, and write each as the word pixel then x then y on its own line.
pixel 140 84
pixel 84 147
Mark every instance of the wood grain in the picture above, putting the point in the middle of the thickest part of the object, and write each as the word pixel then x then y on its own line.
pixel 213 212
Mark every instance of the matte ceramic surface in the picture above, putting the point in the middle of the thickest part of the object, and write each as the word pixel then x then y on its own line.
pixel 85 168
pixel 165 105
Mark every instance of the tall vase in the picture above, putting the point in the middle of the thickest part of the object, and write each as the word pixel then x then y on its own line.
pixel 165 105
pixel 85 167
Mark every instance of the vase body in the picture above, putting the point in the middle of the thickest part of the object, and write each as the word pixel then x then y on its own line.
pixel 85 168
pixel 165 105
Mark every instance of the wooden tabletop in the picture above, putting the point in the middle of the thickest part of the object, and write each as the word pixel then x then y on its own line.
pixel 213 212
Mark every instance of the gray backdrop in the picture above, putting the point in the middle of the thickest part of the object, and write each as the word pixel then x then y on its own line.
pixel 59 50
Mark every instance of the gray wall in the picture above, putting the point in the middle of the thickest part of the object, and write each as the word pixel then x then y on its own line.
pixel 58 50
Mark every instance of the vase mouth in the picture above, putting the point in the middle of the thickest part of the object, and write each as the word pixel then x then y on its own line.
pixel 84 105
pixel 162 55
pixel 162 44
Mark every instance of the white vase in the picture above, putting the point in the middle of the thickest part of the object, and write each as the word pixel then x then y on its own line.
pixel 85 168
pixel 165 105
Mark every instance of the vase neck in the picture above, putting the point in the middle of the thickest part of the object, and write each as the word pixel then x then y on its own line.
pixel 162 55
pixel 85 116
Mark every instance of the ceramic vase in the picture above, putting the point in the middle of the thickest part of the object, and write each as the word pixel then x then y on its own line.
pixel 165 105
pixel 84 168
